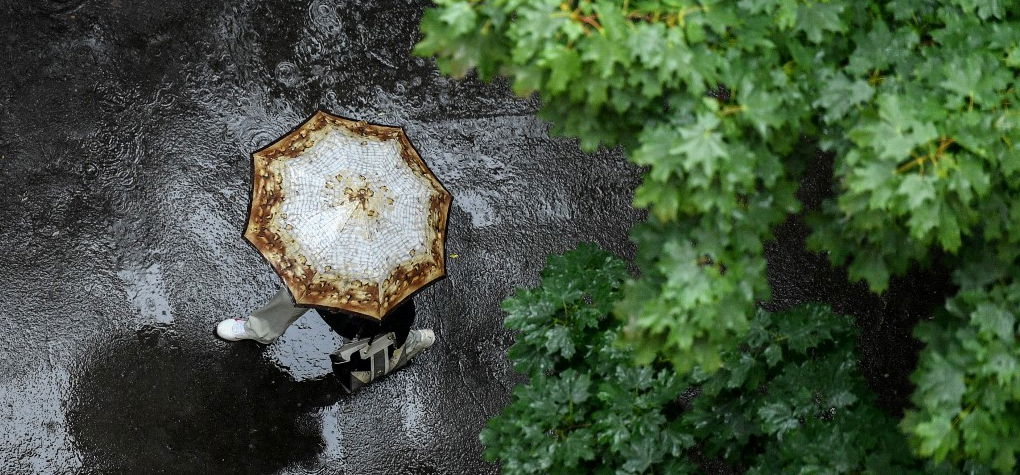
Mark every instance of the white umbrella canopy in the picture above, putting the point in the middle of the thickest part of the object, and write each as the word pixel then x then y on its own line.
pixel 348 215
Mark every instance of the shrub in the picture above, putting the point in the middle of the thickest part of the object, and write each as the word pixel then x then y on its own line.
pixel 914 98
pixel 789 399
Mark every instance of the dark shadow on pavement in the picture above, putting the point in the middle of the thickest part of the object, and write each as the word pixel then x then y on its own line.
pixel 149 402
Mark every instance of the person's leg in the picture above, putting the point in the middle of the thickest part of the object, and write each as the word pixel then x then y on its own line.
pixel 269 322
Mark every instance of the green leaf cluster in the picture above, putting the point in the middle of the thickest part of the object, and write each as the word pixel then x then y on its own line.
pixel 915 98
pixel 586 405
pixel 968 379
pixel 789 399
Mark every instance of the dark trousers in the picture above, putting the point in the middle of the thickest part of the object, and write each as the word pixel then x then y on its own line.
pixel 353 327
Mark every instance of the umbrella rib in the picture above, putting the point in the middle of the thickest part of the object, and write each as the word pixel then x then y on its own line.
pixel 342 227
pixel 348 220
pixel 350 214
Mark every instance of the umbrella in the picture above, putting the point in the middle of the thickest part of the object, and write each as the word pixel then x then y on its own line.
pixel 348 215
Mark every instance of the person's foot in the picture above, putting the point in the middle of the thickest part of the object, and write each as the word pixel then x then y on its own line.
pixel 417 341
pixel 235 329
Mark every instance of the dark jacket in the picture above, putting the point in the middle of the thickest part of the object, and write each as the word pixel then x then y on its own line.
pixel 352 327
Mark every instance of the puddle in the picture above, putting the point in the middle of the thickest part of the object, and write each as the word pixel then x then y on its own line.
pixel 147 293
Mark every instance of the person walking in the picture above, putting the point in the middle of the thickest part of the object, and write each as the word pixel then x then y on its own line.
pixel 353 221
pixel 372 349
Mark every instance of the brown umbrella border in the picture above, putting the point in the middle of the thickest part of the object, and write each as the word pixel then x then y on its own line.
pixel 360 298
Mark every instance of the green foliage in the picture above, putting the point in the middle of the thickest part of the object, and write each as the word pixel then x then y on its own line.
pixel 915 98
pixel 790 399
pixel 586 405
pixel 555 319
pixel 792 389
pixel 968 380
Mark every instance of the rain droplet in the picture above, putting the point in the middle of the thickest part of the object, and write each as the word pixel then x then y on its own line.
pixel 323 17
pixel 287 73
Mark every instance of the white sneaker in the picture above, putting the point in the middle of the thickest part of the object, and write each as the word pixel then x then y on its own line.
pixel 235 329
pixel 417 341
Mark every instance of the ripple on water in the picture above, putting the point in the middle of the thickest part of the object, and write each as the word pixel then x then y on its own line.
pixel 309 49
pixel 324 17
pixel 287 73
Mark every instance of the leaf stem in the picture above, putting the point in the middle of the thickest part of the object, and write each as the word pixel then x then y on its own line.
pixel 934 157
pixel 731 109
pixel 682 16
pixel 959 417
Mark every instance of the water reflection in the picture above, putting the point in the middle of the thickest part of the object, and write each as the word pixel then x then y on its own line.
pixel 151 402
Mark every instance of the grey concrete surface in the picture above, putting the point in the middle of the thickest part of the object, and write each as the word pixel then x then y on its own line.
pixel 125 129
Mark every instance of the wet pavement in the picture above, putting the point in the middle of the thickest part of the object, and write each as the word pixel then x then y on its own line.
pixel 125 133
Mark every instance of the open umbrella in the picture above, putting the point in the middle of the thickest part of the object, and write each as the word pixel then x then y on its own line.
pixel 348 215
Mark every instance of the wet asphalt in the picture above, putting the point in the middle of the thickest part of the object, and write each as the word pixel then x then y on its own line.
pixel 125 133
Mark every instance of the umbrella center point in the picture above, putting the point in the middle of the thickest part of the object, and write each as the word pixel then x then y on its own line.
pixel 360 197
